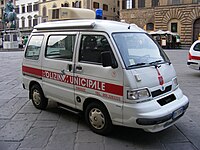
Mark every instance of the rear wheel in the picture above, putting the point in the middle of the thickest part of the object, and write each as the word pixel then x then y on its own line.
pixel 98 118
pixel 37 97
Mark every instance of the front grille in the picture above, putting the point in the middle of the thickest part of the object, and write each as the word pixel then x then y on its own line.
pixel 159 92
pixel 166 100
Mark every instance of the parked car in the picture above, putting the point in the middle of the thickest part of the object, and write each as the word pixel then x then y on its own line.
pixel 194 56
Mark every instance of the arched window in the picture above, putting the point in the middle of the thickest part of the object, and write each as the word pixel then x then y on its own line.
pixel 23 22
pixel 174 25
pixel 196 29
pixel 174 2
pixel 66 4
pixel 150 27
pixel 195 1
pixel 141 3
pixel 129 4
pixel 154 3
pixel 29 21
pixel 76 4
pixel 17 9
pixel 124 4
pixel 35 20
pixel 17 23
pixel 54 5
pixel 44 11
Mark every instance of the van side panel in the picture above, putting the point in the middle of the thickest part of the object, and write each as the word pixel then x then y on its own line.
pixel 57 67
pixel 94 81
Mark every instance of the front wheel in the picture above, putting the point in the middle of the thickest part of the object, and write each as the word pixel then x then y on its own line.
pixel 37 97
pixel 98 118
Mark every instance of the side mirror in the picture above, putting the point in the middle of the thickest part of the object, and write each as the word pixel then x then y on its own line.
pixel 108 60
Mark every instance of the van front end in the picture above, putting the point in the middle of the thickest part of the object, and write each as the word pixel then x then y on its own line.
pixel 156 114
pixel 153 100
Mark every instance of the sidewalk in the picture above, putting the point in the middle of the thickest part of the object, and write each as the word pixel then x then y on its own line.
pixel 23 127
pixel 11 50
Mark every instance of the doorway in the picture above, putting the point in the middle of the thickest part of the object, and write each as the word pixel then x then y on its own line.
pixel 196 29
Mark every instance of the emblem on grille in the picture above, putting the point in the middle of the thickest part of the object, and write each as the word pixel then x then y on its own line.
pixel 162 88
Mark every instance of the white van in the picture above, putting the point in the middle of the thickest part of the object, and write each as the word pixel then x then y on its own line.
pixel 113 72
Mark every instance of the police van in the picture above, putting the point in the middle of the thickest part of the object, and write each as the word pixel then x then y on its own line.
pixel 112 72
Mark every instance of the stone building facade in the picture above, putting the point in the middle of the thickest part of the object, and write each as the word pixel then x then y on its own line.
pixel 178 16
pixel 110 7
pixel 33 12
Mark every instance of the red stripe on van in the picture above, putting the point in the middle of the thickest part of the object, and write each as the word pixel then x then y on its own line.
pixel 31 70
pixel 114 89
pixel 109 87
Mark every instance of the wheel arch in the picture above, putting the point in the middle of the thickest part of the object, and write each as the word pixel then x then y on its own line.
pixel 30 86
pixel 91 100
pixel 91 103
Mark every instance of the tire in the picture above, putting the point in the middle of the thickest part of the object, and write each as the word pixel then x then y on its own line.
pixel 37 97
pixel 98 118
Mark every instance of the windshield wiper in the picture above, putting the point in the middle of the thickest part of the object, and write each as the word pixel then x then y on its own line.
pixel 155 62
pixel 139 64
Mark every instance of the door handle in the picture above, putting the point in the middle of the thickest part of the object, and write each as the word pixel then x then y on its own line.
pixel 79 68
pixel 70 67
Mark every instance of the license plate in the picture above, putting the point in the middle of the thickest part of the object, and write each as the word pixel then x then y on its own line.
pixel 177 113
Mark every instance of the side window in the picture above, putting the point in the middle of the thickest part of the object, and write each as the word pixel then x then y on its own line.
pixel 60 47
pixel 197 47
pixel 91 48
pixel 34 47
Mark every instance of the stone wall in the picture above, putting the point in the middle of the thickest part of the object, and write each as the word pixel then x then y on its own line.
pixel 162 16
pixel 185 14
pixel 138 16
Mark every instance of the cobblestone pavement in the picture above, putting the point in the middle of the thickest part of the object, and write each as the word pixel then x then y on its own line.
pixel 23 127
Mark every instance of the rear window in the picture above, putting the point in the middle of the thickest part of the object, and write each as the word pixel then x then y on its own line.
pixel 34 47
pixel 60 47
pixel 197 47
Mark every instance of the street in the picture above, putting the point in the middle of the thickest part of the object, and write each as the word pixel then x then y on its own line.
pixel 23 127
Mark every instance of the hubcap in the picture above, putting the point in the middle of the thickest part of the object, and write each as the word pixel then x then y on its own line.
pixel 36 97
pixel 97 118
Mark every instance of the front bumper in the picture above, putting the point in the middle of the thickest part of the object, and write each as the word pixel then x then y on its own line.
pixel 155 121
pixel 152 116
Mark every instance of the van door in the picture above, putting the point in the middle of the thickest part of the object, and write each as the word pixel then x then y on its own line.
pixel 92 80
pixel 57 67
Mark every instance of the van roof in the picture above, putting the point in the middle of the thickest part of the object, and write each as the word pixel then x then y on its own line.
pixel 87 24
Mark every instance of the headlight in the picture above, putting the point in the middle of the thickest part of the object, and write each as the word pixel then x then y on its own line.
pixel 141 94
pixel 175 84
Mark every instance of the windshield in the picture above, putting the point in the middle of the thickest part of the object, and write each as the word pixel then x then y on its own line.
pixel 138 50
